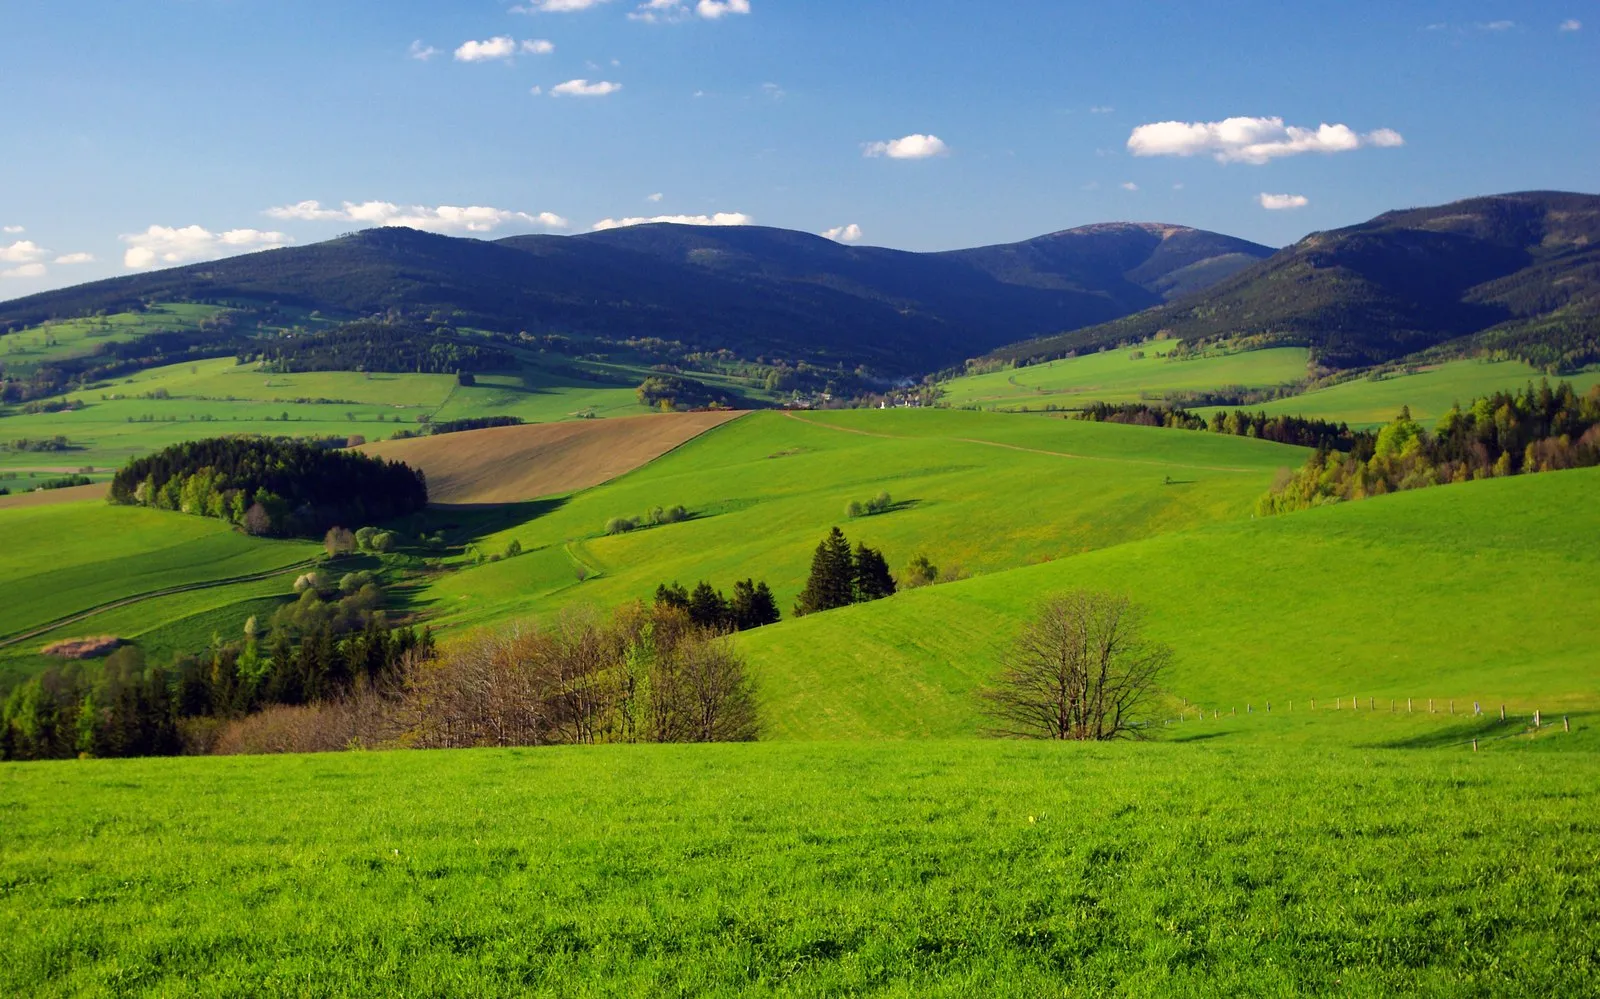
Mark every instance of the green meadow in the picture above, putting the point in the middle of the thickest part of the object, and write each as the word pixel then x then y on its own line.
pixel 161 406
pixel 1430 391
pixel 25 351
pixel 1215 867
pixel 1120 376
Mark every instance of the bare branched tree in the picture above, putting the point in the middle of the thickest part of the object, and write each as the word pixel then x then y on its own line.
pixel 1081 669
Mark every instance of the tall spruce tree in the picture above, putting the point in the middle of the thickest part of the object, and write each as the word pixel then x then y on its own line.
pixel 872 578
pixel 753 605
pixel 832 580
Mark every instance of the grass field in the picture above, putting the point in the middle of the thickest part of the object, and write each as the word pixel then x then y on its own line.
pixel 25 351
pixel 1430 392
pixel 163 406
pixel 765 488
pixel 1115 376
pixel 936 869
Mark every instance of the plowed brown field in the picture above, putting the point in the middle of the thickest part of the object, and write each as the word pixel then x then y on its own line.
pixel 46 497
pixel 512 464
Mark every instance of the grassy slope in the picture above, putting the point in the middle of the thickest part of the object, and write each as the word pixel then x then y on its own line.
pixel 1463 592
pixel 217 397
pixel 1430 392
pixel 899 870
pixel 59 560
pixel 766 488
pixel 27 350
pixel 1114 376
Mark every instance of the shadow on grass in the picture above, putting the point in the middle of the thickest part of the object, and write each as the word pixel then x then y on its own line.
pixel 468 521
pixel 1486 728
pixel 1200 737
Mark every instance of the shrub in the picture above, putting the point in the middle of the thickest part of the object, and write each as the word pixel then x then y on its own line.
pixel 876 505
pixel 919 572
pixel 621 525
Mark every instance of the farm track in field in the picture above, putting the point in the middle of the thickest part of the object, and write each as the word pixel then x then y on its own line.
pixel 210 584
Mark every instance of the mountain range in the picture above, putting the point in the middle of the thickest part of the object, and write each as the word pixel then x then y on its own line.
pixel 1513 273
pixel 753 291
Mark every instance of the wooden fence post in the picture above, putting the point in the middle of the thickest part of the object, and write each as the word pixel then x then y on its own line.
pixel 1502 712
pixel 1474 744
pixel 1566 726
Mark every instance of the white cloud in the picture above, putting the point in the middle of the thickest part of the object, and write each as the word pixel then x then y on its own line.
pixel 501 47
pixel 713 9
pixel 1497 26
pixel 443 218
pixel 12 230
pixel 844 233
pixel 1129 185
pixel 1101 109
pixel 1283 202
pixel 910 147
pixel 774 91
pixel 421 52
pixel 165 245
pixel 555 6
pixel 25 271
pixel 653 197
pixel 1571 24
pixel 1250 140
pixel 75 258
pixel 720 218
pixel 536 90
pixel 23 251
pixel 672 11
pixel 583 88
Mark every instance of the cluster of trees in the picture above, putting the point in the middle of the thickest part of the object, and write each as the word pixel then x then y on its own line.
pixel 840 577
pixel 271 486
pixel 655 518
pixel 752 605
pixel 1538 429
pixel 1295 430
pixel 41 444
pixel 317 651
pixel 880 503
pixel 380 345
pixel 116 359
pixel 669 392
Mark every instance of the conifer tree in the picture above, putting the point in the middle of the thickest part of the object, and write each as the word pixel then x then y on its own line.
pixel 832 580
pixel 872 578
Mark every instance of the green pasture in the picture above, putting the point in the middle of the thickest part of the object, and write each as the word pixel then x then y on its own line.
pixel 973 491
pixel 161 406
pixel 1430 392
pixel 61 560
pixel 1195 868
pixel 1471 593
pixel 26 350
pixel 1117 376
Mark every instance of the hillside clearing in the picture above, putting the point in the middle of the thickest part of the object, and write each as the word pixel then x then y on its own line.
pixel 513 464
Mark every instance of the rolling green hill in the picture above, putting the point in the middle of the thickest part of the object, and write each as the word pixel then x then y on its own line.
pixel 756 292
pixel 1522 264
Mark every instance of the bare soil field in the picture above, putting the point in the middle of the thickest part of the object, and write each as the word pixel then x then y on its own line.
pixel 46 497
pixel 513 464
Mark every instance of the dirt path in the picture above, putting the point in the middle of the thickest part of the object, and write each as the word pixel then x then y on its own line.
pixel 153 594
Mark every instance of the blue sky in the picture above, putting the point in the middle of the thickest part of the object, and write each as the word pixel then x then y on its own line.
pixel 168 131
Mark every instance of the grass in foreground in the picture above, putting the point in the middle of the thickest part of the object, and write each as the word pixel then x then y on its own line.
pixel 912 870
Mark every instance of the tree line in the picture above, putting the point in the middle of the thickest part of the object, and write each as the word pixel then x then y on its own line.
pixel 1537 429
pixel 271 486
pixel 379 345
pixel 1296 430
pixel 752 605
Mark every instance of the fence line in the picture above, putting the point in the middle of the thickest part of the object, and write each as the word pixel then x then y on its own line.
pixel 1537 719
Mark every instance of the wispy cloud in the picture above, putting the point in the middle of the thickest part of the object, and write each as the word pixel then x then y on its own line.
pixel 656 197
pixel 844 233
pixel 12 230
pixel 443 218
pixel 25 271
pixel 1570 24
pixel 555 6
pixel 584 88
pixel 161 244
pixel 501 47
pixel 910 147
pixel 1128 185
pixel 672 11
pixel 1283 202
pixel 1251 140
pixel 75 258
pixel 1101 109
pixel 422 52
pixel 1496 25
pixel 720 218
